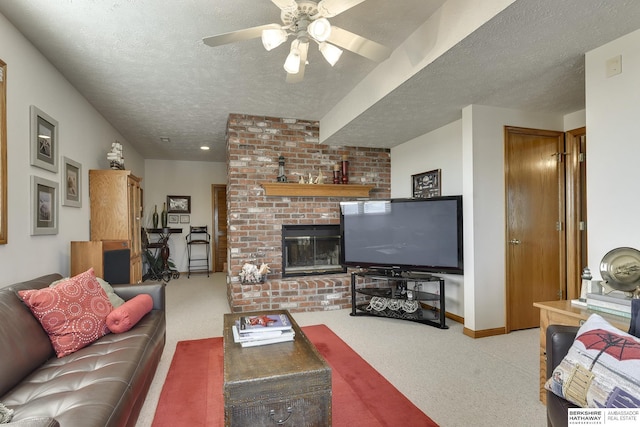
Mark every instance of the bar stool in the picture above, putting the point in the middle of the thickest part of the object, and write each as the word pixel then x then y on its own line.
pixel 198 236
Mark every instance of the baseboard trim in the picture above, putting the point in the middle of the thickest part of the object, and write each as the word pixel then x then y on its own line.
pixel 484 333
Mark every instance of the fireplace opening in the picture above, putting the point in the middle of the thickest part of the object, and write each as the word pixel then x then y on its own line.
pixel 311 249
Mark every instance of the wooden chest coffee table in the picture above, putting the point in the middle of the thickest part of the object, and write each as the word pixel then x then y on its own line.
pixel 277 384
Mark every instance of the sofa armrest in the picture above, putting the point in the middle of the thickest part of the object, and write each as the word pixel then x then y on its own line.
pixel 156 290
pixel 559 341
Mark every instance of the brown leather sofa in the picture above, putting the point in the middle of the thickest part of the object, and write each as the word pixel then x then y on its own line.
pixel 104 384
pixel 559 341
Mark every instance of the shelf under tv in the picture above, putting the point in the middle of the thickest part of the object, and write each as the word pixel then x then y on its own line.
pixel 395 300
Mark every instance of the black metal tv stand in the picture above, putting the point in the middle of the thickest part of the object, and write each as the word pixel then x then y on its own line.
pixel 385 294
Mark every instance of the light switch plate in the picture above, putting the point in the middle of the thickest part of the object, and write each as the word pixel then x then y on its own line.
pixel 614 66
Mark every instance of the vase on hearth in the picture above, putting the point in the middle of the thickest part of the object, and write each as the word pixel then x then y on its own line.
pixel 154 217
pixel 164 217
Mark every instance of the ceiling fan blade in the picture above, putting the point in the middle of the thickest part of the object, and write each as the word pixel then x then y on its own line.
pixel 297 78
pixel 358 44
pixel 329 8
pixel 236 36
pixel 286 5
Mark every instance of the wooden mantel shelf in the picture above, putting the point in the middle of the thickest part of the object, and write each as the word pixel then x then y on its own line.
pixel 316 190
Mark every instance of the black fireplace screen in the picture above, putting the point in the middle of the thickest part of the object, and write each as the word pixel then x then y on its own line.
pixel 311 249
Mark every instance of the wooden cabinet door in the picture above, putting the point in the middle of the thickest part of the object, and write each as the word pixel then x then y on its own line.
pixel 116 210
pixel 134 214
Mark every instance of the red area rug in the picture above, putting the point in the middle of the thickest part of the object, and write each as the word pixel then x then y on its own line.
pixel 192 392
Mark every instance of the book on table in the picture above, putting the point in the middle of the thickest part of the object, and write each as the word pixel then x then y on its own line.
pixel 617 304
pixel 264 323
pixel 250 339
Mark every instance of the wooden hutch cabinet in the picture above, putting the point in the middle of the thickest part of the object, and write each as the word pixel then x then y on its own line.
pixel 116 211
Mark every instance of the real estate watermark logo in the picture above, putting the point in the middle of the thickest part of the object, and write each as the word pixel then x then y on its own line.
pixel 617 417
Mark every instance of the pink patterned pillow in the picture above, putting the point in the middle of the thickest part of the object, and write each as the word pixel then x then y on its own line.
pixel 128 314
pixel 73 313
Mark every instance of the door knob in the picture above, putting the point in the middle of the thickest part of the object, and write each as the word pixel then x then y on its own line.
pixel 514 241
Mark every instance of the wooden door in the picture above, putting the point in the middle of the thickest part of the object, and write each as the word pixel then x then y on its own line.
pixel 219 232
pixel 576 206
pixel 535 247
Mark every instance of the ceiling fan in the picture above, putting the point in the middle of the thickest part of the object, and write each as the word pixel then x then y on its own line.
pixel 307 21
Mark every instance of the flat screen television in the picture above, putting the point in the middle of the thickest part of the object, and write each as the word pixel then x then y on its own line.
pixel 422 235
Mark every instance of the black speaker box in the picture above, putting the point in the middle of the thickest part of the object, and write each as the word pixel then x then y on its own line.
pixel 116 266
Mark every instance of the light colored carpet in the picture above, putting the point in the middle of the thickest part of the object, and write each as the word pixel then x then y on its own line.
pixel 454 379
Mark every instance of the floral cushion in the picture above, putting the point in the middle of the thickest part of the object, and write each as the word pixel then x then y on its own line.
pixel 73 313
pixel 116 301
pixel 601 369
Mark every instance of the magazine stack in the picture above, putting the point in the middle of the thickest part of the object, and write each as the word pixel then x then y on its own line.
pixel 251 331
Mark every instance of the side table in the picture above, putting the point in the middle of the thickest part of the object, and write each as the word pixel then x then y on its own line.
pixel 162 244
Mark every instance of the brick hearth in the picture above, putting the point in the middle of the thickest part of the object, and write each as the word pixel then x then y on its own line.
pixel 255 220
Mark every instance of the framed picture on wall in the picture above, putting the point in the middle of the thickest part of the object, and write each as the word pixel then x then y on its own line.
pixel 44 206
pixel 185 219
pixel 425 184
pixel 179 204
pixel 71 183
pixel 44 140
pixel 173 218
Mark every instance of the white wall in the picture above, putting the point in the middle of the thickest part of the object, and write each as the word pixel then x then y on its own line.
pixel 181 178
pixel 84 136
pixel 575 120
pixel 484 216
pixel 470 154
pixel 440 149
pixel 613 150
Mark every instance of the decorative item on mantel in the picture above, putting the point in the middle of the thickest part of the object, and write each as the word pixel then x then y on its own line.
pixel 311 180
pixel 250 273
pixel 345 169
pixel 115 157
pixel 281 176
pixel 336 174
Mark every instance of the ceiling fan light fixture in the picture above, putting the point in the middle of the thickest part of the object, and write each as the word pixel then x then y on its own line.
pixel 330 52
pixel 320 29
pixel 273 38
pixel 289 6
pixel 292 63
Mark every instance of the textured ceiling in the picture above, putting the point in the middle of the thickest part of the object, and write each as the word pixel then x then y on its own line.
pixel 143 65
pixel 529 57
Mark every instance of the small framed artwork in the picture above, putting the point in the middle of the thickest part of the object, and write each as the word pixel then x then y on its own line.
pixel 71 183
pixel 185 219
pixel 44 140
pixel 426 184
pixel 179 204
pixel 173 218
pixel 44 206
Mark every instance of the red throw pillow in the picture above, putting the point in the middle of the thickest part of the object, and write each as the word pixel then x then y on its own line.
pixel 73 313
pixel 128 314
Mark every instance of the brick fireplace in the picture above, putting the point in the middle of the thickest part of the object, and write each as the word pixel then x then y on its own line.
pixel 255 220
